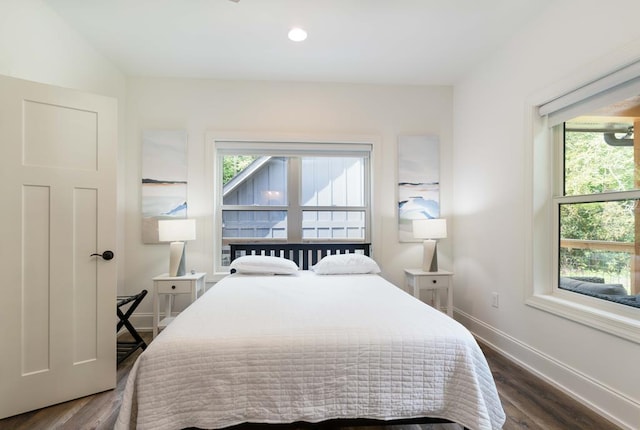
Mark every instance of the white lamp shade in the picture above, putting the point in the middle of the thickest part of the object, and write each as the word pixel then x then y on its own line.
pixel 430 228
pixel 176 230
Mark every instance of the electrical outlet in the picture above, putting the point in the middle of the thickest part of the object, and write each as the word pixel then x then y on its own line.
pixel 495 302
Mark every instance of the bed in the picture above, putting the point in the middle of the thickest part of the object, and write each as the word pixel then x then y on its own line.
pixel 333 343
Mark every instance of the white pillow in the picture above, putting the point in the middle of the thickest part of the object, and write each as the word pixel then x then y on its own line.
pixel 264 265
pixel 345 264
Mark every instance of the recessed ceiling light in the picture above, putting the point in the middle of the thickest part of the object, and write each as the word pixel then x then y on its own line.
pixel 297 34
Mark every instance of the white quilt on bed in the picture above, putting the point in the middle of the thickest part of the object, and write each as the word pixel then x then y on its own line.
pixel 279 349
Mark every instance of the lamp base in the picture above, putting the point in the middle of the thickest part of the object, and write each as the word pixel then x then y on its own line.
pixel 430 256
pixel 176 259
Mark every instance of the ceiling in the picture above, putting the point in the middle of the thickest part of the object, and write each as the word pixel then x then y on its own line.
pixel 425 42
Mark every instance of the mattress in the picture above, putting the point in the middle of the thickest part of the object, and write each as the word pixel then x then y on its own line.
pixel 282 349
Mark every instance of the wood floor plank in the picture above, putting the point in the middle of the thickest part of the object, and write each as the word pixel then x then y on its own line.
pixel 542 404
pixel 529 403
pixel 518 419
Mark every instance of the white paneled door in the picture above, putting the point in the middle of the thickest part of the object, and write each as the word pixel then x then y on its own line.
pixel 57 300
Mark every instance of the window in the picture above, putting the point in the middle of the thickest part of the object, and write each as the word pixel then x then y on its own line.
pixel 291 192
pixel 597 204
pixel 584 161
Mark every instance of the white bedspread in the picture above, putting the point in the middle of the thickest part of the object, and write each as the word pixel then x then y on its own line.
pixel 280 349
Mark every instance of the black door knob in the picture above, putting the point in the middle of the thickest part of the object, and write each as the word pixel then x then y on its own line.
pixel 107 255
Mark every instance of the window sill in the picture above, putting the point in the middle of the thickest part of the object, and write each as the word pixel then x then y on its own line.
pixel 618 320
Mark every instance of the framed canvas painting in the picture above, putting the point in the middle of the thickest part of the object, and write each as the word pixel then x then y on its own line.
pixel 164 179
pixel 418 182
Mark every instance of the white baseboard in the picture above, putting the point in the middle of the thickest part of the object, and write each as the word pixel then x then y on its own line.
pixel 613 405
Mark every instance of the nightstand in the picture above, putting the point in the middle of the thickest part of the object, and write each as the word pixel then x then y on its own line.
pixel 418 280
pixel 169 286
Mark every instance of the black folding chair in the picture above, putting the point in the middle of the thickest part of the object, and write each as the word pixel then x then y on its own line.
pixel 127 348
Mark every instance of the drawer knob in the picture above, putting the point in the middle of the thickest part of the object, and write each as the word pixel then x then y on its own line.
pixel 434 281
pixel 173 287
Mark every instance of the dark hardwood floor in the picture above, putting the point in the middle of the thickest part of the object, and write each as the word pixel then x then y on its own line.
pixel 529 403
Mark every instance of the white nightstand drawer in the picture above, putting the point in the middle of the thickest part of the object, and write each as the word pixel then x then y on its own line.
pixel 435 281
pixel 174 287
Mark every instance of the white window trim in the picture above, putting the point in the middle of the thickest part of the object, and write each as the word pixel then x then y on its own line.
pixel 541 280
pixel 226 139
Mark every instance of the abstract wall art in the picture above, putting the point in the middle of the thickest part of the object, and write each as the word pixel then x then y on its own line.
pixel 164 179
pixel 418 182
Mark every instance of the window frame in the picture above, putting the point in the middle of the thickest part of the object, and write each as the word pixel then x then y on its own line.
pixel 287 145
pixel 545 179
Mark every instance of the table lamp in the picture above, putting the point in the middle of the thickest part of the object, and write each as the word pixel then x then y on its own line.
pixel 430 230
pixel 176 231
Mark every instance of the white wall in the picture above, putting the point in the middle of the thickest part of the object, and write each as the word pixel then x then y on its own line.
pixel 36 45
pixel 199 106
pixel 573 40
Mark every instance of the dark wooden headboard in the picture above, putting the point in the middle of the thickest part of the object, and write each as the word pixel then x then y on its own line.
pixel 304 255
